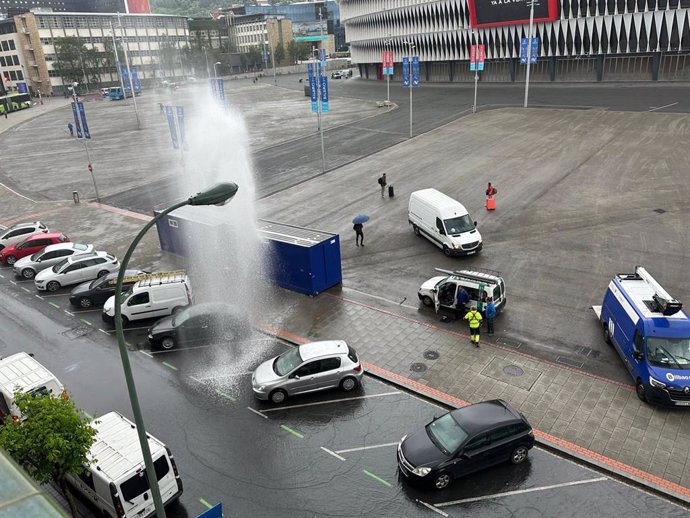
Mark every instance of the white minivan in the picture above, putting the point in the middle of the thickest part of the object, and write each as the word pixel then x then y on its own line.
pixel 22 371
pixel 443 221
pixel 155 295
pixel 115 481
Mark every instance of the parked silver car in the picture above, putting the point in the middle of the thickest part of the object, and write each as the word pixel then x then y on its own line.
pixel 308 368
pixel 28 267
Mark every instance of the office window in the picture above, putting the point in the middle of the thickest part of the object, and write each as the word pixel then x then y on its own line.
pixel 12 47
pixel 20 76
pixel 5 46
pixel 15 59
pixel 13 75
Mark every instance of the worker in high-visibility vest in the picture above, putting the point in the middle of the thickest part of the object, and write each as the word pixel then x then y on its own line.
pixel 474 319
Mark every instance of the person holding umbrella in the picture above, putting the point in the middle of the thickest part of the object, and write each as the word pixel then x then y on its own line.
pixel 359 228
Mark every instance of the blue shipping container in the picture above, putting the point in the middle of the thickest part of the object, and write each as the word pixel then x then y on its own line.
pixel 303 260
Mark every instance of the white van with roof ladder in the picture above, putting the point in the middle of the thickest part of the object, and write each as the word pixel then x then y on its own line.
pixel 22 371
pixel 115 481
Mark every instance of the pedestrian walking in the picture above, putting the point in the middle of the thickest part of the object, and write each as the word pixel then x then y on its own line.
pixel 5 113
pixel 490 313
pixel 461 300
pixel 359 233
pixel 490 193
pixel 474 319
pixel 383 183
pixel 71 129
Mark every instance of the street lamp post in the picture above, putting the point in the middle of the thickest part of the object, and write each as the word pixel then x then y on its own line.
pixel 219 194
pixel 215 70
pixel 410 46
pixel 75 99
pixel 529 49
pixel 117 62
pixel 129 73
pixel 387 43
pixel 476 71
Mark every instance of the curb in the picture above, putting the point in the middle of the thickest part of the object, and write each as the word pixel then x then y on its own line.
pixel 584 456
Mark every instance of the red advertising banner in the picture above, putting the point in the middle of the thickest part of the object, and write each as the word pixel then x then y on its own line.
pixel 487 13
pixel 138 6
pixel 473 54
pixel 480 55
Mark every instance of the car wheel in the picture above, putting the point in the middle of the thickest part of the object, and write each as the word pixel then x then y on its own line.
pixel 441 481
pixel 28 273
pixel 426 300
pixel 415 228
pixel 446 251
pixel 607 335
pixel 85 302
pixel 348 384
pixel 641 391
pixel 102 273
pixel 278 396
pixel 53 286
pixel 10 259
pixel 176 310
pixel 168 343
pixel 519 455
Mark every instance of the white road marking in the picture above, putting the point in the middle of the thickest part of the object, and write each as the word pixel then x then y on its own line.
pixel 331 401
pixel 88 311
pixel 223 376
pixel 257 412
pixel 368 447
pixel 13 282
pixel 104 331
pixel 333 453
pixel 25 280
pixel 432 507
pixel 54 295
pixel 16 193
pixel 1 275
pixel 521 491
pixel 662 107
pixel 69 313
pixel 112 331
pixel 146 354
pixel 194 379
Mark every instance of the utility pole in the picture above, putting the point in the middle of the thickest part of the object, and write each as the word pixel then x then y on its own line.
pixel 319 99
pixel 410 46
pixel 129 73
pixel 387 44
pixel 273 54
pixel 117 62
pixel 476 71
pixel 529 49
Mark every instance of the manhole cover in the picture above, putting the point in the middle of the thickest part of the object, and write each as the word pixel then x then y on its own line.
pixel 513 370
pixel 418 367
pixel 659 211
pixel 431 355
pixel 76 332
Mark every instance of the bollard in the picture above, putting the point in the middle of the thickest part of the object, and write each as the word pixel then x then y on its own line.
pixel 75 197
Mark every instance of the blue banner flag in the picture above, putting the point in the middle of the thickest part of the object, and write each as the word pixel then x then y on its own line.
pixel 180 125
pixel 82 117
pixel 324 94
pixel 264 55
pixel 312 87
pixel 214 87
pixel 523 51
pixel 322 57
pixel 406 72
pixel 135 79
pixel 170 115
pixel 77 126
pixel 125 76
pixel 221 89
pixel 415 71
pixel 535 51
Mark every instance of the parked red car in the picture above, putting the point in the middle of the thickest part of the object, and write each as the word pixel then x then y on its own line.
pixel 30 245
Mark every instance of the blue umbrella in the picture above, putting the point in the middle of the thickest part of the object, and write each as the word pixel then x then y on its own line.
pixel 360 218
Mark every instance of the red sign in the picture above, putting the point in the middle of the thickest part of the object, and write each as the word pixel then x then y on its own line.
pixel 480 56
pixel 138 6
pixel 473 54
pixel 387 58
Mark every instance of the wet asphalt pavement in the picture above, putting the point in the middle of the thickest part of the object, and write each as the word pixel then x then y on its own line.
pixel 327 454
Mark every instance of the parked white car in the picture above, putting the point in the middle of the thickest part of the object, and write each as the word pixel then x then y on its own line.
pixel 20 232
pixel 76 269
pixel 28 267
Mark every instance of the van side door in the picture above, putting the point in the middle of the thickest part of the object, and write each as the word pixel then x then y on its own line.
pixel 139 305
pixel 637 359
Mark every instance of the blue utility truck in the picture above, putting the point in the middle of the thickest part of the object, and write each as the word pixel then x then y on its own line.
pixel 651 333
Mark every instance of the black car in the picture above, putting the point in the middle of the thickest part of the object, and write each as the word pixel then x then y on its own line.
pixel 200 324
pixel 464 441
pixel 95 293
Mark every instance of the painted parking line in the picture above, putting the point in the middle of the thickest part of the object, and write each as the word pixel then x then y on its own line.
pixel 431 507
pixel 54 305
pixel 68 312
pixel 146 354
pixel 205 503
pixel 521 491
pixel 79 311
pixel 331 401
pixel 333 453
pixel 293 432
pixel 13 282
pixel 104 331
pixel 662 107
pixel 53 295
pixel 257 412
pixel 84 321
pixel 375 477
pixel 368 447
pixel 170 366
pixel 112 331
pixel 225 395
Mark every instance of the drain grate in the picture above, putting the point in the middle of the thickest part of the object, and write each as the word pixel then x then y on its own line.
pixel 659 211
pixel 431 355
pixel 418 367
pixel 569 362
pixel 588 352
pixel 513 370
pixel 509 342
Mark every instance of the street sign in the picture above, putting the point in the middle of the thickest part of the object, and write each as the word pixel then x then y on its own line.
pixel 480 57
pixel 473 58
pixel 406 72
pixel 415 71
pixel 180 125
pixel 387 61
pixel 533 53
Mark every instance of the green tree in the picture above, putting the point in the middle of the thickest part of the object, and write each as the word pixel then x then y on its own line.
pixel 280 54
pixel 68 55
pixel 298 50
pixel 252 59
pixel 52 440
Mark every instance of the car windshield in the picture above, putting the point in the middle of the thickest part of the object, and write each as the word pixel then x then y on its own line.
pixel 59 265
pixel 446 434
pixel 37 255
pixel 459 225
pixel 672 353
pixel 287 362
pixel 189 312
pixel 80 248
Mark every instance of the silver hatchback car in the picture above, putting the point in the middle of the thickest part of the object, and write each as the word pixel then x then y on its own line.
pixel 308 368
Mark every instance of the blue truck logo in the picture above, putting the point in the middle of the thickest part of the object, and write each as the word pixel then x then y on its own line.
pixel 651 333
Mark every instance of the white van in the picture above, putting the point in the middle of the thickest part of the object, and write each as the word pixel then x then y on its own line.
pixel 154 295
pixel 22 371
pixel 115 481
pixel 479 283
pixel 443 221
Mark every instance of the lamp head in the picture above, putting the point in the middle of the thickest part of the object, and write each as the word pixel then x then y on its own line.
pixel 219 195
pixel 218 63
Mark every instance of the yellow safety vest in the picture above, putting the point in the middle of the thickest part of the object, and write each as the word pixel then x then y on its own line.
pixel 474 318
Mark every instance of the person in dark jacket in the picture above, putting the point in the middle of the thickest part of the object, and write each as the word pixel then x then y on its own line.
pixel 461 300
pixel 71 129
pixel 383 183
pixel 490 313
pixel 359 233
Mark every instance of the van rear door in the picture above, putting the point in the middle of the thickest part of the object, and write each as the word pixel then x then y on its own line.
pixel 135 491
